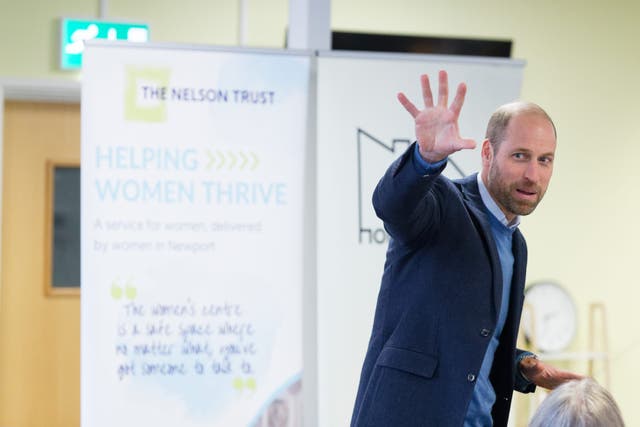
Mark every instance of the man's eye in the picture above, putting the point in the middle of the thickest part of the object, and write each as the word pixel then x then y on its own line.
pixel 518 156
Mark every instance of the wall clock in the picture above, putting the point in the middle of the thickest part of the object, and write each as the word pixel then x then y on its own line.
pixel 549 319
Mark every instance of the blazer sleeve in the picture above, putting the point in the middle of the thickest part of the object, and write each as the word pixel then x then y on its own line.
pixel 522 384
pixel 407 201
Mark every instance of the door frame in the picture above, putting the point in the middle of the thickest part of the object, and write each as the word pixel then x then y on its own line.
pixel 38 90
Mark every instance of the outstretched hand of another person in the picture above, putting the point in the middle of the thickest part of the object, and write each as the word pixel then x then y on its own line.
pixel 544 375
pixel 436 125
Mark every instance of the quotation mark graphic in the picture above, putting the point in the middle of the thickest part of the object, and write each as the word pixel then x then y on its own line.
pixel 240 384
pixel 231 160
pixel 128 290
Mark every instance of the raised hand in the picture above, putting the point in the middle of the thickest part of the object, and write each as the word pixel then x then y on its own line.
pixel 437 130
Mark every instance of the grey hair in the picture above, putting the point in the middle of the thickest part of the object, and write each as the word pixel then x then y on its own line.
pixel 578 403
pixel 497 127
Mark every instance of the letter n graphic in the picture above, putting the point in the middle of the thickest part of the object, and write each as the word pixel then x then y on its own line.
pixel 374 157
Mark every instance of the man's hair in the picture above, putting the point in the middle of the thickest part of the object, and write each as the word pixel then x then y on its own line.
pixel 578 403
pixel 499 121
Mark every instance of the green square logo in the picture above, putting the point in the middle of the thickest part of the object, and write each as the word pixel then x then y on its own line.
pixel 145 91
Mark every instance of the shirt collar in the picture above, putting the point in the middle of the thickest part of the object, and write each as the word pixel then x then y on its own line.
pixel 493 207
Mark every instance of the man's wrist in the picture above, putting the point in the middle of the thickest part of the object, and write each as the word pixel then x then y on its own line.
pixel 426 165
pixel 521 358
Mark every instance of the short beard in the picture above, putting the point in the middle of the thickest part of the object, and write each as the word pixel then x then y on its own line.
pixel 503 194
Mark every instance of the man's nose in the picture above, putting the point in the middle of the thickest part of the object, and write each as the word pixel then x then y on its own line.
pixel 532 172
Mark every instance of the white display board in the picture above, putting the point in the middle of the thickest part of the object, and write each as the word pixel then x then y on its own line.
pixel 192 236
pixel 361 129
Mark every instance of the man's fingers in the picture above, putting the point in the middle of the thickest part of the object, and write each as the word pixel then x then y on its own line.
pixel 467 144
pixel 544 375
pixel 456 105
pixel 443 89
pixel 408 105
pixel 568 376
pixel 427 96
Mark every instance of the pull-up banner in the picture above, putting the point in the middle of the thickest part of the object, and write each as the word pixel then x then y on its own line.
pixel 361 130
pixel 192 220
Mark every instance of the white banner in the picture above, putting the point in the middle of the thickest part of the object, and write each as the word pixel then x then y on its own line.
pixel 362 128
pixel 192 221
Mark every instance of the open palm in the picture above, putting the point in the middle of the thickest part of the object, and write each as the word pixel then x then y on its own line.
pixel 436 126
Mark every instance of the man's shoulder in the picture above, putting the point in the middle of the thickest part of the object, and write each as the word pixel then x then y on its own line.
pixel 466 180
pixel 467 184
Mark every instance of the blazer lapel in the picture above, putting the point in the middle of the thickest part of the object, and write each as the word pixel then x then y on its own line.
pixel 519 264
pixel 479 214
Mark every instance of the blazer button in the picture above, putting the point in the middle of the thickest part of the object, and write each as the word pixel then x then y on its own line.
pixel 485 332
pixel 471 378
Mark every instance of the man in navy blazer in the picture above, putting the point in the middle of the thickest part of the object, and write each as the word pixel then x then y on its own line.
pixel 443 347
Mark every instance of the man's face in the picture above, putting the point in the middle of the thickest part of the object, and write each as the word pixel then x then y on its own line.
pixel 517 173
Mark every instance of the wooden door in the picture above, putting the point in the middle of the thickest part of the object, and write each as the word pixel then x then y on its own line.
pixel 39 333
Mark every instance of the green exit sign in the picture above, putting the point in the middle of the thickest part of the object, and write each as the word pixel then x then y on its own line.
pixel 75 32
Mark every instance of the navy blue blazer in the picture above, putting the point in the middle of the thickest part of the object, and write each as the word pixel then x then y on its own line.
pixel 438 305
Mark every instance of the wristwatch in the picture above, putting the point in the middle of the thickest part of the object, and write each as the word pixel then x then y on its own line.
pixel 521 357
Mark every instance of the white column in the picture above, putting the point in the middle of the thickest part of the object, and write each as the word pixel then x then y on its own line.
pixel 309 24
pixel 243 22
pixel 310 28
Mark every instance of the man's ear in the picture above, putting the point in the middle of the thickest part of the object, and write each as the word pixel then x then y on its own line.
pixel 487 153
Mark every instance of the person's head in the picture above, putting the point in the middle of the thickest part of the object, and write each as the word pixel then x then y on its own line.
pixel 517 157
pixel 580 403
